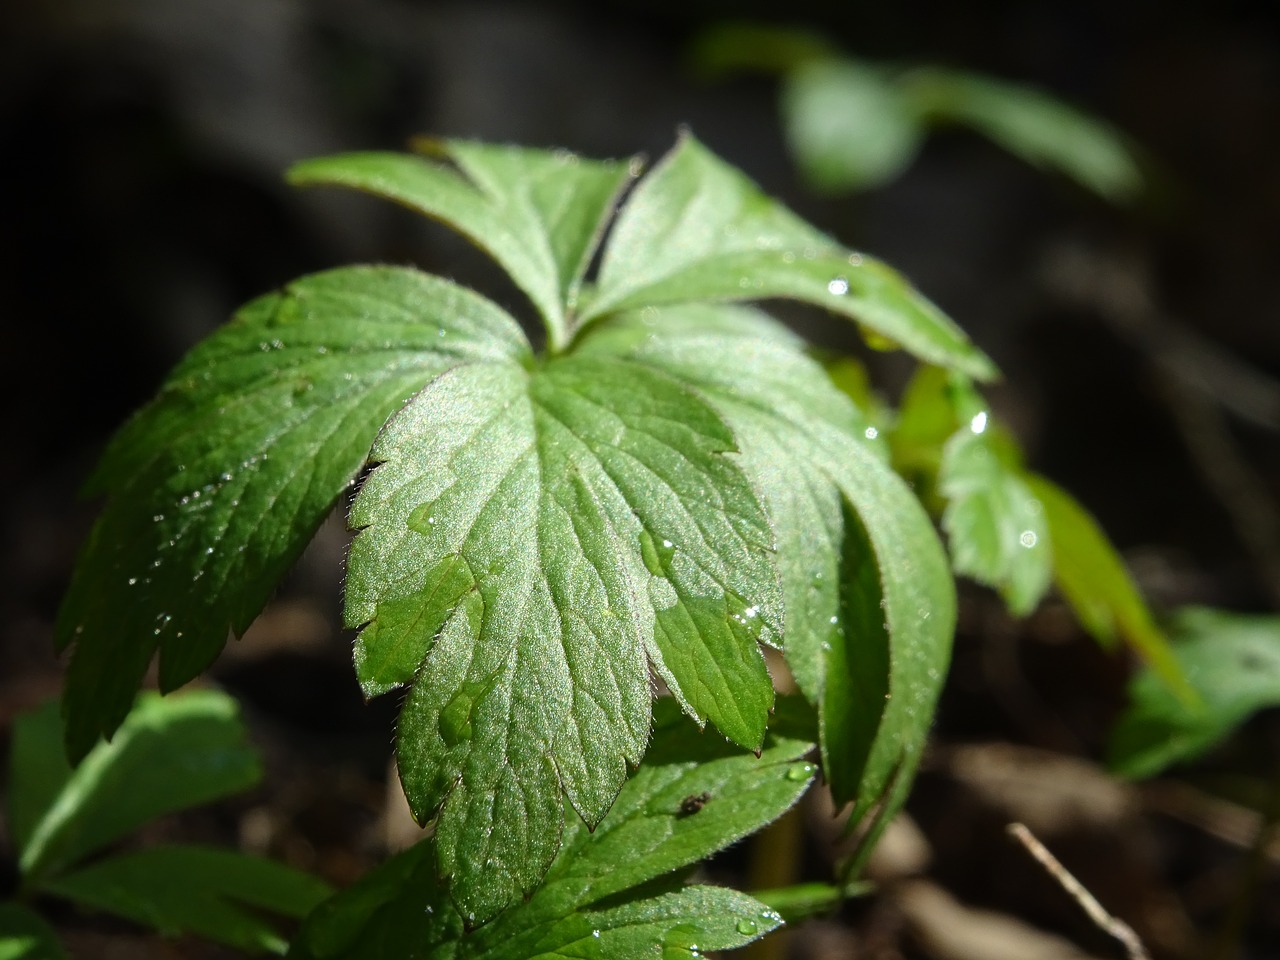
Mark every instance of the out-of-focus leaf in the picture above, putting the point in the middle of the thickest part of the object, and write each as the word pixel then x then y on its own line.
pixel 169 754
pixel 848 125
pixel 24 935
pixel 215 894
pixel 732 48
pixel 38 771
pixel 696 229
pixel 995 526
pixel 615 894
pixel 1094 581
pixel 1232 661
pixel 1040 129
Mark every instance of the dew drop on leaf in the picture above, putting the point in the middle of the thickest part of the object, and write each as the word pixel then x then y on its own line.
pixel 657 557
pixel 747 927
pixel 680 941
pixel 455 718
pixel 838 286
pixel 799 772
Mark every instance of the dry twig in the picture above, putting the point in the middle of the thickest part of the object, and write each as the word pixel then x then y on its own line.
pixel 1109 924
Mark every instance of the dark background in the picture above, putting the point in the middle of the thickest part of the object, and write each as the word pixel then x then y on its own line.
pixel 142 145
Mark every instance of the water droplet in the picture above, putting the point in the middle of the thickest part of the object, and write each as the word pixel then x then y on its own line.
pixel 838 286
pixel 855 259
pixel 322 350
pixel 225 476
pixel 744 282
pixel 132 581
pixel 158 517
pixel 979 422
pixel 834 620
pixel 747 928
pixel 799 772
pixel 657 558
pixel 1028 539
pixel 596 934
pixel 423 518
pixel 680 941
pixel 788 257
pixel 871 433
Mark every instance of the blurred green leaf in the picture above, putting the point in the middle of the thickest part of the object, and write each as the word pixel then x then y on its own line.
pixel 848 125
pixel 1039 128
pixel 615 894
pixel 169 754
pixel 24 935
pixel 1231 660
pixel 726 49
pixel 1094 581
pixel 215 894
pixel 995 526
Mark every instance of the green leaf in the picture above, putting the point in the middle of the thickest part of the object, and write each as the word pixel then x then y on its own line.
pixel 539 214
pixel 730 48
pixel 848 125
pixel 995 525
pixel 24 935
pixel 614 893
pixel 215 894
pixel 169 754
pixel 528 542
pixel 217 485
pixel 38 771
pixel 1096 584
pixel 1040 129
pixel 697 229
pixel 869 600
pixel 1232 661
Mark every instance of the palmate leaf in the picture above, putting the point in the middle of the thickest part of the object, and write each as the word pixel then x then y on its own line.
pixel 217 485
pixel 537 534
pixel 614 894
pixel 532 541
pixel 869 601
